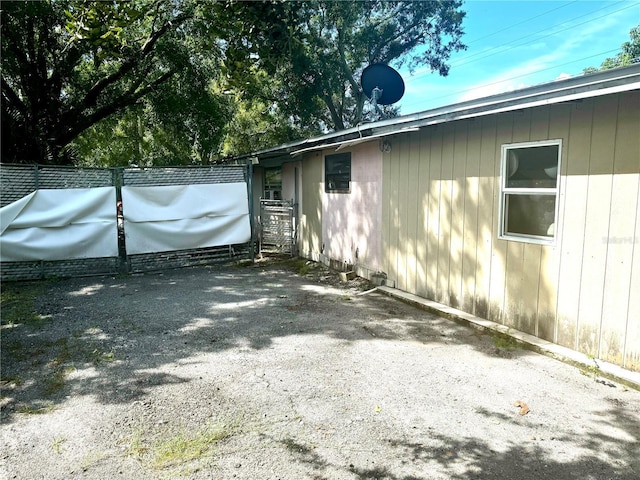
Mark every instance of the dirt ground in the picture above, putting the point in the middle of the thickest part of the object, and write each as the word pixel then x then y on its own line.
pixel 279 371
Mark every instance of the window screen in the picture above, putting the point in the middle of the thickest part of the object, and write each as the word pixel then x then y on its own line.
pixel 337 173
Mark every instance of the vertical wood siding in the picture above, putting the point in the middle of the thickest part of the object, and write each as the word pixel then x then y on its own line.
pixel 441 189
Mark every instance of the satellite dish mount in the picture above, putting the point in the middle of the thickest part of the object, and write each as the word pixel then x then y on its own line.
pixel 376 93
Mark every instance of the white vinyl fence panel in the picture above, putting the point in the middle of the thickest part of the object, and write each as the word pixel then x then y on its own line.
pixel 180 217
pixel 60 224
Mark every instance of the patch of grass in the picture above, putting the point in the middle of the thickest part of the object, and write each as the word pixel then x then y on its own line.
pixel 57 380
pixel 17 304
pixel 90 459
pixel 171 450
pixel 35 410
pixel 99 356
pixel 11 381
pixel 136 448
pixel 15 349
pixel 88 351
pixel 188 446
pixel 300 265
pixel 591 370
pixel 63 355
pixel 506 342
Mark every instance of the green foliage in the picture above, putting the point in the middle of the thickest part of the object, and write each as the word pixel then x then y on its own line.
pixel 256 125
pixel 56 381
pixel 56 445
pixel 314 52
pixel 35 409
pixel 629 53
pixel 300 266
pixel 147 82
pixel 69 65
pixel 506 342
pixel 163 130
pixel 170 450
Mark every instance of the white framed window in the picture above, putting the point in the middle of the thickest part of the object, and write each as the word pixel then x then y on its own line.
pixel 529 187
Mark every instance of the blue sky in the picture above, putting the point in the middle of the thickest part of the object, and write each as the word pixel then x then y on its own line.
pixel 515 44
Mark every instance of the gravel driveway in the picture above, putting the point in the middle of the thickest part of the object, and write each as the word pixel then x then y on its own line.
pixel 279 371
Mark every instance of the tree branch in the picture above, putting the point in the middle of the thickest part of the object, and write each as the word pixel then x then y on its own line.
pixel 91 97
pixel 344 65
pixel 126 100
pixel 13 98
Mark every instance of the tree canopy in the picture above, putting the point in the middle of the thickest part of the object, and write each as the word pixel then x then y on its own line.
pixel 629 53
pixel 67 66
pixel 327 46
pixel 180 81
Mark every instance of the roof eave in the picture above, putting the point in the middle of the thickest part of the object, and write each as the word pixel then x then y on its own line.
pixel 571 89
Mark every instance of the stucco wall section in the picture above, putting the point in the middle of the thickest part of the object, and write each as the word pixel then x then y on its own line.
pixel 310 208
pixel 289 181
pixel 352 222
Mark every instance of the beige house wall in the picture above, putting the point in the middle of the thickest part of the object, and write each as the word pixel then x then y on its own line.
pixel 440 197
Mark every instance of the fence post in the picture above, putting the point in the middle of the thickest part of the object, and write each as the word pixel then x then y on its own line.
pixel 252 247
pixel 123 259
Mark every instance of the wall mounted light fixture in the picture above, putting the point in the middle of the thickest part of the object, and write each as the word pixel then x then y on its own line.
pixel 385 146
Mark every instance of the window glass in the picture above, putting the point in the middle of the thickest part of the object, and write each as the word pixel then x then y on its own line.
pixel 529 191
pixel 530 214
pixel 273 184
pixel 532 167
pixel 337 173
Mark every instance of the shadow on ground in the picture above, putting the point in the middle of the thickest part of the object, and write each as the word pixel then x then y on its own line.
pixel 103 336
pixel 112 339
pixel 477 458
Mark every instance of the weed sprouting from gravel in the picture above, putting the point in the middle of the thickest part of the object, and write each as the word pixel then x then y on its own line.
pixel 506 342
pixel 57 380
pixel 300 266
pixel 185 447
pixel 57 444
pixel 90 459
pixel 169 450
pixel 11 381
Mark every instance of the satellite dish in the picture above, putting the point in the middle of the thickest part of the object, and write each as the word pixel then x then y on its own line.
pixel 382 84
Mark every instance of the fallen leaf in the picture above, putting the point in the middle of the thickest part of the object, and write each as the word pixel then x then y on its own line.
pixel 524 408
